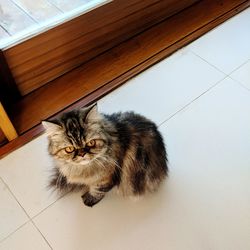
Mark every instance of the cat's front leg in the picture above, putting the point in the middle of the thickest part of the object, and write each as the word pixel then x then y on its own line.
pixel 96 194
pixel 90 200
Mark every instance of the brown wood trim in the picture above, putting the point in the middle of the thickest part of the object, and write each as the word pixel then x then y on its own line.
pixel 3 139
pixel 21 140
pixel 135 60
pixel 51 54
pixel 8 90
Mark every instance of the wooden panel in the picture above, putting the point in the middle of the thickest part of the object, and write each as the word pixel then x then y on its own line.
pixel 66 5
pixel 20 141
pixel 46 72
pixel 12 18
pixel 8 89
pixel 45 57
pixel 39 10
pixel 112 68
pixel 3 139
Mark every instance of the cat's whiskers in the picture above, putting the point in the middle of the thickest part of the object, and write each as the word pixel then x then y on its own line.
pixel 99 163
pixel 110 160
pixel 113 160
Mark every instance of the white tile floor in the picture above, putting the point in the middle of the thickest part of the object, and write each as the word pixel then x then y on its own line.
pixel 200 97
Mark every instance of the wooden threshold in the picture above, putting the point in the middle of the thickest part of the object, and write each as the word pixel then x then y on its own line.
pixel 96 78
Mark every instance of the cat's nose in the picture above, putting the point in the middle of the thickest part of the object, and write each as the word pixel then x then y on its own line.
pixel 81 152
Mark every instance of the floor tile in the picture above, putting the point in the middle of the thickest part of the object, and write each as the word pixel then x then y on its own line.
pixel 205 201
pixel 25 238
pixel 116 223
pixel 227 46
pixel 243 75
pixel 208 146
pixel 26 172
pixel 165 88
pixel 12 215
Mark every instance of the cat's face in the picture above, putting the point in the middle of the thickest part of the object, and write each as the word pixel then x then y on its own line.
pixel 77 137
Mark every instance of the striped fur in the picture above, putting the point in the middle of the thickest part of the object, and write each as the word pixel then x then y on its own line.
pixel 129 154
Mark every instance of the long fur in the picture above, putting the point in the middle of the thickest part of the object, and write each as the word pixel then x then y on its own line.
pixel 129 154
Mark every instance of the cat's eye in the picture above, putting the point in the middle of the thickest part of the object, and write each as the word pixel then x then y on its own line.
pixel 69 149
pixel 91 143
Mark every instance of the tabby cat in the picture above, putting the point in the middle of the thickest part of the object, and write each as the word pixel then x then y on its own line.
pixel 94 153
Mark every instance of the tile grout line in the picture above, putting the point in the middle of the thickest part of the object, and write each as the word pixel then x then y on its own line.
pixel 194 100
pixel 238 82
pixel 24 12
pixel 208 62
pixel 33 223
pixel 29 218
pixel 227 74
pixel 5 238
pixel 5 30
pixel 5 184
pixel 47 207
pixel 239 66
pixel 53 4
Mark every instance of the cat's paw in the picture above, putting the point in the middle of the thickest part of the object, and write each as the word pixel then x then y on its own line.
pixel 90 200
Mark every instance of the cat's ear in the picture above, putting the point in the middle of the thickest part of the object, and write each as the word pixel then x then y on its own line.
pixel 51 127
pixel 92 113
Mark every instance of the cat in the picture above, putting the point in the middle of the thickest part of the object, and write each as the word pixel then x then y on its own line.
pixel 95 152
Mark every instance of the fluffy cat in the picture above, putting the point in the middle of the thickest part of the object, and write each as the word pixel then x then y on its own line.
pixel 95 152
